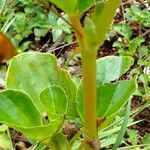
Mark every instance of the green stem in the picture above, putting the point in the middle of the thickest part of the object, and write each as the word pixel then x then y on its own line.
pixel 89 84
pixel 89 81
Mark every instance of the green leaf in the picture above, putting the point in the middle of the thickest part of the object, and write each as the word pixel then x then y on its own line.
pixel 103 17
pixel 41 133
pixel 52 17
pixel 65 5
pixel 144 79
pixel 118 44
pixel 127 88
pixel 135 43
pixel 110 68
pixel 107 142
pixel 70 89
pixel 39 147
pixel 74 6
pixel 124 30
pixel 59 142
pixel 15 102
pixel 18 112
pixel 76 145
pixel 90 31
pixel 110 103
pixel 32 72
pixel 40 32
pixel 133 134
pixel 135 14
pixel 55 100
pixel 56 32
pixel 123 127
pixel 146 139
pixel 63 25
pixel 5 142
pixel 83 5
pixel 3 128
pixel 61 28
pixel 143 51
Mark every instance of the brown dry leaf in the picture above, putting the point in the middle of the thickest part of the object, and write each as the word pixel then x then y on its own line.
pixel 7 50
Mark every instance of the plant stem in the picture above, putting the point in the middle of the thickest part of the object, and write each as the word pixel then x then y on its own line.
pixel 89 81
pixel 89 84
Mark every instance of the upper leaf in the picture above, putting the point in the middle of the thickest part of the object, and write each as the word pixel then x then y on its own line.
pixel 110 68
pixel 66 5
pixel 32 72
pixel 83 5
pixel 73 6
pixel 90 31
pixel 103 17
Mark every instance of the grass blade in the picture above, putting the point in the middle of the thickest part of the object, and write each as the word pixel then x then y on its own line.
pixel 123 127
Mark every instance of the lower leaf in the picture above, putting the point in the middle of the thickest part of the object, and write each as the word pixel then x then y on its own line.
pixel 18 112
pixel 111 97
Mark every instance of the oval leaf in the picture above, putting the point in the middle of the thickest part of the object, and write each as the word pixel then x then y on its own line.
pixel 32 72
pixel 55 100
pixel 123 29
pixel 135 43
pixel 18 112
pixel 110 68
pixel 109 99
pixel 16 108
